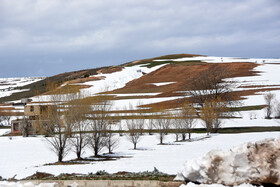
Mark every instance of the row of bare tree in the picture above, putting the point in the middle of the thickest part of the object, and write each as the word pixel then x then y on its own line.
pixel 77 121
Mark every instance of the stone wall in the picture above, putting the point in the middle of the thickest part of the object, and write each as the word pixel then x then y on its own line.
pixel 106 183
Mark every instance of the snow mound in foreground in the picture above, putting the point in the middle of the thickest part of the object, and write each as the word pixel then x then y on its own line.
pixel 190 184
pixel 28 184
pixel 253 163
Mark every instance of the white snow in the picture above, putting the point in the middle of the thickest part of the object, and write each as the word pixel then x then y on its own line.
pixel 26 184
pixel 213 59
pixel 4 131
pixel 111 81
pixel 118 79
pixel 122 103
pixel 162 83
pixel 8 86
pixel 190 184
pixel 25 156
pixel 135 94
pixel 256 162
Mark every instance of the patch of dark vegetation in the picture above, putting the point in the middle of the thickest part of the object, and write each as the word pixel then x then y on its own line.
pixel 39 176
pixel 247 108
pixel 156 63
pixel 150 64
pixel 89 160
pixel 167 57
pixel 227 130
pixel 248 129
pixel 5 127
pixel 103 175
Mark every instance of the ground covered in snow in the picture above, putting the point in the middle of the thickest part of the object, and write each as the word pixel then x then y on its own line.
pixel 4 131
pixel 190 184
pixel 254 163
pixel 24 156
pixel 9 86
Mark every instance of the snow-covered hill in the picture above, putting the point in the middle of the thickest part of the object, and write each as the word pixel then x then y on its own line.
pixel 149 82
pixel 9 86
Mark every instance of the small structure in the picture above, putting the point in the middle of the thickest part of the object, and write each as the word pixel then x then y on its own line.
pixel 22 102
pixel 35 120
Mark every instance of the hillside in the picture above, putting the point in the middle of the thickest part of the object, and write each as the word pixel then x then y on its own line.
pixel 148 85
pixel 156 81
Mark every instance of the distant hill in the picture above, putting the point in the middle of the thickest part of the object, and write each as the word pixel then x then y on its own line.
pixel 163 79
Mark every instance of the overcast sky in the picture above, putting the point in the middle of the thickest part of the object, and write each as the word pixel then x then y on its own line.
pixel 47 37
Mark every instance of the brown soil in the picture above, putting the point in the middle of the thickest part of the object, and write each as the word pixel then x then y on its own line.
pixel 259 86
pixel 6 112
pixel 110 70
pixel 66 89
pixel 82 80
pixel 182 74
pixel 179 102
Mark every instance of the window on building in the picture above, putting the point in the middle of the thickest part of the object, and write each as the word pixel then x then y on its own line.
pixel 43 109
pixel 31 108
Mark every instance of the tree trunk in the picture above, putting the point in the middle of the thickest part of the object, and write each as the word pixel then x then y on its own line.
pixel 161 139
pixel 78 155
pixel 183 137
pixel 95 151
pixel 60 157
pixel 134 145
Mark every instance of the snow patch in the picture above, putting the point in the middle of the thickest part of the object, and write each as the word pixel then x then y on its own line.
pixel 25 156
pixel 117 79
pixel 8 86
pixel 213 59
pixel 190 184
pixel 253 163
pixel 135 94
pixel 162 83
pixel 26 184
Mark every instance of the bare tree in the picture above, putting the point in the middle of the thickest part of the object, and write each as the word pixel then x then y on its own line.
pixel 120 128
pixel 151 125
pixel 59 119
pixel 140 119
pixel 211 113
pixel 8 118
pixel 26 127
pixel 209 85
pixel 112 140
pixel 269 97
pixel 134 133
pixel 162 125
pixel 221 111
pixel 151 122
pixel 208 115
pixel 178 125
pixel 2 119
pixel 134 128
pixel 5 119
pixel 100 119
pixel 78 108
pixel 277 110
pixel 188 115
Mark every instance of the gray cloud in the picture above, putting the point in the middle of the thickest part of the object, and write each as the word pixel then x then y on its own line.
pixel 45 37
